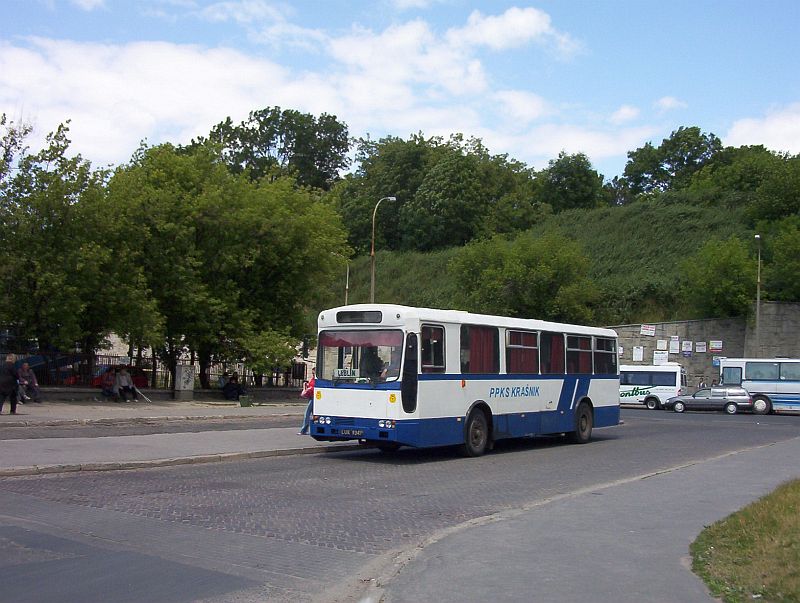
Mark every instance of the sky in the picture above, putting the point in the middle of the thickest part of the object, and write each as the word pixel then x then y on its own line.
pixel 531 79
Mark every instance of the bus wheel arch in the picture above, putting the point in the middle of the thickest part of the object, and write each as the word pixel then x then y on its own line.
pixel 584 422
pixel 477 430
pixel 762 405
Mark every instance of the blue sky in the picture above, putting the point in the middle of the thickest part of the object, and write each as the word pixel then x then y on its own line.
pixel 531 79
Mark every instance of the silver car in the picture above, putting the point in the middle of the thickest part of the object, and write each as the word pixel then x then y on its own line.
pixel 727 398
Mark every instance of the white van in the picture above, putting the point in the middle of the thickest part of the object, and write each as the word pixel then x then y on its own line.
pixel 651 385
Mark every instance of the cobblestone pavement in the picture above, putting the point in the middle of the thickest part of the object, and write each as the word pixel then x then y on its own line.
pixel 365 503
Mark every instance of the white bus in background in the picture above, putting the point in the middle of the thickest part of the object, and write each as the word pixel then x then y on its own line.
pixel 651 384
pixel 774 383
pixel 392 376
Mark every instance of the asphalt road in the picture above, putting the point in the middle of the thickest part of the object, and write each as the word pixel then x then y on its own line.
pixel 314 527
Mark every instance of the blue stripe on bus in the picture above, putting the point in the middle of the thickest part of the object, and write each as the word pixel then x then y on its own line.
pixel 446 431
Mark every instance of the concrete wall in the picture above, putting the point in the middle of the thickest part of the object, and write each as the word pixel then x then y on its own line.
pixel 779 331
pixel 779 335
pixel 731 332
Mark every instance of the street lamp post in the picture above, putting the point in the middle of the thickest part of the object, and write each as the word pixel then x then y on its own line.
pixel 758 300
pixel 347 283
pixel 372 252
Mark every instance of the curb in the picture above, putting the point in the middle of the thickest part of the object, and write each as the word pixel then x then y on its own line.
pixel 188 460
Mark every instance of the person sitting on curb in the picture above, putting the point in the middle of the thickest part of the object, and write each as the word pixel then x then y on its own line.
pixel 125 385
pixel 28 385
pixel 233 389
pixel 108 384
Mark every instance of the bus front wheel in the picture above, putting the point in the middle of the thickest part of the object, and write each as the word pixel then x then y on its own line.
pixel 476 436
pixel 651 403
pixel 761 405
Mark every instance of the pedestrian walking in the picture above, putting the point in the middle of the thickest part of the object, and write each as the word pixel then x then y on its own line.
pixel 308 392
pixel 8 384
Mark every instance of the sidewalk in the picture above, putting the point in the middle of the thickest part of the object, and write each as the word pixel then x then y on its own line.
pixel 59 455
pixel 85 412
pixel 625 541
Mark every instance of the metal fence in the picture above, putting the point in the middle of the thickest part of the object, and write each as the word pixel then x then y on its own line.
pixel 86 370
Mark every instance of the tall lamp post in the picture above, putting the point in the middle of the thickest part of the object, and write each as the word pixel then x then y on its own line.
pixel 758 299
pixel 372 252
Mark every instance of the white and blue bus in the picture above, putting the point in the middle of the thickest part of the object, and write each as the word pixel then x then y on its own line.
pixel 774 383
pixel 391 375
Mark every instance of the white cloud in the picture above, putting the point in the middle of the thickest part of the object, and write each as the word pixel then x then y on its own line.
pixel 401 80
pixel 669 103
pixel 624 114
pixel 89 5
pixel 409 54
pixel 778 130
pixel 522 107
pixel 512 29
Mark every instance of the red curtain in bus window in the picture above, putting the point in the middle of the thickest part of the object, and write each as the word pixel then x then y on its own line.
pixel 557 354
pixel 483 343
pixel 523 360
pixel 585 357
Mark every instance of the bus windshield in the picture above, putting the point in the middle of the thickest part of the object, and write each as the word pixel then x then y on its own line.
pixel 360 356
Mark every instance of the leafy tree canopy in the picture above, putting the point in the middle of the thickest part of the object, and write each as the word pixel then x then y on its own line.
pixel 670 165
pixel 720 279
pixel 275 141
pixel 545 278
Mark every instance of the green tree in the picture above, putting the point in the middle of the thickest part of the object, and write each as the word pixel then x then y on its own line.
pixel 545 278
pixel 670 165
pixel 778 195
pixel 448 206
pixel 719 280
pixel 390 167
pixel 783 250
pixel 275 141
pixel 64 284
pixel 570 182
pixel 227 260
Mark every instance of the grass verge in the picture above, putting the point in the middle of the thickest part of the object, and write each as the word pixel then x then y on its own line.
pixel 754 554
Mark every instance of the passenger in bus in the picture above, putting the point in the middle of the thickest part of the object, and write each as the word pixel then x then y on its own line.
pixel 391 369
pixel 371 363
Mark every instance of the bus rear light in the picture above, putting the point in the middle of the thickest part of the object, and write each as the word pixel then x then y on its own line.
pixel 387 424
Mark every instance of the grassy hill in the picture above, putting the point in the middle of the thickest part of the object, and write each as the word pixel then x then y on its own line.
pixel 635 253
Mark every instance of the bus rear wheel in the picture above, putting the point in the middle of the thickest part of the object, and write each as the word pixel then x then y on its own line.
pixel 476 436
pixel 583 424
pixel 761 405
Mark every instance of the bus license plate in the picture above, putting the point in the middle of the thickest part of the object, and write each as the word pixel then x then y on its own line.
pixel 352 432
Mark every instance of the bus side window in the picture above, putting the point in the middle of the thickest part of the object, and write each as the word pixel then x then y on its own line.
pixel 433 349
pixel 732 375
pixel 551 353
pixel 480 349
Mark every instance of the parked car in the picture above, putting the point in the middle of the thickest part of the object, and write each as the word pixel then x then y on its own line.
pixel 729 399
